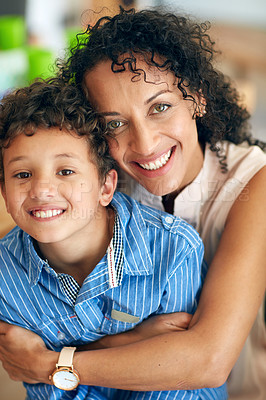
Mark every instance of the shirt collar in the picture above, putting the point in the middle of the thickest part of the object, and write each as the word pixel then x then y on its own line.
pixel 34 263
pixel 134 232
pixel 135 241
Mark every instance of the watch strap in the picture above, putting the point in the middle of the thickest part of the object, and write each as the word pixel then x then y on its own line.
pixel 66 357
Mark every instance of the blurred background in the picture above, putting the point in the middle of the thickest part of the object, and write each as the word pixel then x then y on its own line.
pixel 33 33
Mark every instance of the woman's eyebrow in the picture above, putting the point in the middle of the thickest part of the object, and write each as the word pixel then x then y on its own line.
pixel 111 113
pixel 150 99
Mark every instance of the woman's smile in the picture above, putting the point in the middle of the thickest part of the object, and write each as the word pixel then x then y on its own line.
pixel 156 167
pixel 156 163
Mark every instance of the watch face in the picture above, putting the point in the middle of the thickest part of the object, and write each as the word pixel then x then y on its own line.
pixel 65 379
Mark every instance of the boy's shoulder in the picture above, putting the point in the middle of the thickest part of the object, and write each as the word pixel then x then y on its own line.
pixel 14 234
pixel 131 211
pixel 13 243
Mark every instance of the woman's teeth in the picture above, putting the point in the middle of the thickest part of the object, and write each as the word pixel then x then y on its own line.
pixel 160 162
pixel 46 213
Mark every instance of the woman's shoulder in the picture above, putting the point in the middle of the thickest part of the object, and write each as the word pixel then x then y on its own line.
pixel 242 161
pixel 242 154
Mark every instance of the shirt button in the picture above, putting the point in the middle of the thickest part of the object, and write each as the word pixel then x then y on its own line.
pixel 60 336
pixel 169 220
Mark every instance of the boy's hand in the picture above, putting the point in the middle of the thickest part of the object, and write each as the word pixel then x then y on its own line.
pixel 24 354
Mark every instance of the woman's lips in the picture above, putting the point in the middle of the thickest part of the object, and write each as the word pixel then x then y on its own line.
pixel 158 163
pixel 157 167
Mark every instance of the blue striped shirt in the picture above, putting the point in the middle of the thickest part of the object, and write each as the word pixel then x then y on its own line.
pixel 162 273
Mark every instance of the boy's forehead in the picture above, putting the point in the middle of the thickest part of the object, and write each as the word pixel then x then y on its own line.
pixel 55 140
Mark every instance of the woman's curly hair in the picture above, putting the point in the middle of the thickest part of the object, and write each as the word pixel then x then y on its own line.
pixel 183 47
pixel 48 104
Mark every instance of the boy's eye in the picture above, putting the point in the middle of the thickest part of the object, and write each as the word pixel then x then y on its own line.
pixel 114 124
pixel 23 175
pixel 160 108
pixel 65 172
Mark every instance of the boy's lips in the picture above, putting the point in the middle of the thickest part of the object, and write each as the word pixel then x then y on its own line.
pixel 46 213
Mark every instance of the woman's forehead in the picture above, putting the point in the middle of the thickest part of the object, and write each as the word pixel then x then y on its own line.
pixel 142 71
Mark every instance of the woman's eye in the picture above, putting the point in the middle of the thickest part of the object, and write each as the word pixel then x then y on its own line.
pixel 160 108
pixel 65 172
pixel 112 125
pixel 23 175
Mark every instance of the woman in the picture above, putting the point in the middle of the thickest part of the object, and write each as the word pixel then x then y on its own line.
pixel 177 130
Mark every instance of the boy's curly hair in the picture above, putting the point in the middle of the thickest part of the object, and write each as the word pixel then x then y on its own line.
pixel 47 104
pixel 184 48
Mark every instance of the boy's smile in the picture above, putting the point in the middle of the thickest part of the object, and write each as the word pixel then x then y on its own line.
pixel 53 191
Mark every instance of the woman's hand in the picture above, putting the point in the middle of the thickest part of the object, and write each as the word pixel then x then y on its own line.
pixel 24 355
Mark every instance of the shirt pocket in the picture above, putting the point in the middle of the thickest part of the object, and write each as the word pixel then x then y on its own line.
pixel 117 321
pixel 61 331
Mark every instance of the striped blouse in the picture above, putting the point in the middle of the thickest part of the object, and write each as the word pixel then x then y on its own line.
pixel 161 272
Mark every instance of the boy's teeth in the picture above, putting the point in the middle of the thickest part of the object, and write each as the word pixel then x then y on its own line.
pixel 46 213
pixel 157 163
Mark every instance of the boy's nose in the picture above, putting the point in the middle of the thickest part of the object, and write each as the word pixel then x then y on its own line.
pixel 42 189
pixel 144 138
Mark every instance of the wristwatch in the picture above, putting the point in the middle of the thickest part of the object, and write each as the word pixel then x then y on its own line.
pixel 64 376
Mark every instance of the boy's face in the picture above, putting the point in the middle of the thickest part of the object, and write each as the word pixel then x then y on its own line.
pixel 52 189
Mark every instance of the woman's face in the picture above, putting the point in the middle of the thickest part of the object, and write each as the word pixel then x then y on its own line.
pixel 155 137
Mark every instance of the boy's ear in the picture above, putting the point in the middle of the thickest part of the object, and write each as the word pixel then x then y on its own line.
pixel 3 191
pixel 108 188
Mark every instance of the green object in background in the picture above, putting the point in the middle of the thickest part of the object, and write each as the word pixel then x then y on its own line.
pixel 41 63
pixel 70 34
pixel 12 32
pixel 71 37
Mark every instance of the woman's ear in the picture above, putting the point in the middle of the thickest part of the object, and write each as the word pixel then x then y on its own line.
pixel 201 104
pixel 108 188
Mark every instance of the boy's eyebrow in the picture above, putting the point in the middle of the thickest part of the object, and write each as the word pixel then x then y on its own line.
pixel 67 155
pixel 59 155
pixel 15 159
pixel 149 100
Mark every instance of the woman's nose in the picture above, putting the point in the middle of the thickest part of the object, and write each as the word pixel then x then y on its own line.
pixel 42 189
pixel 144 138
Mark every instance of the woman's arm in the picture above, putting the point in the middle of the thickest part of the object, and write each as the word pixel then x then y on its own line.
pixel 233 291
pixel 203 355
pixel 153 326
pixel 18 346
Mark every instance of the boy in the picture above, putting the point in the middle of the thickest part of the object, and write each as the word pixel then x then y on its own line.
pixel 83 262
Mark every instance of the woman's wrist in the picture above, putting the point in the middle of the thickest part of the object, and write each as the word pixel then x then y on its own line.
pixel 47 361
